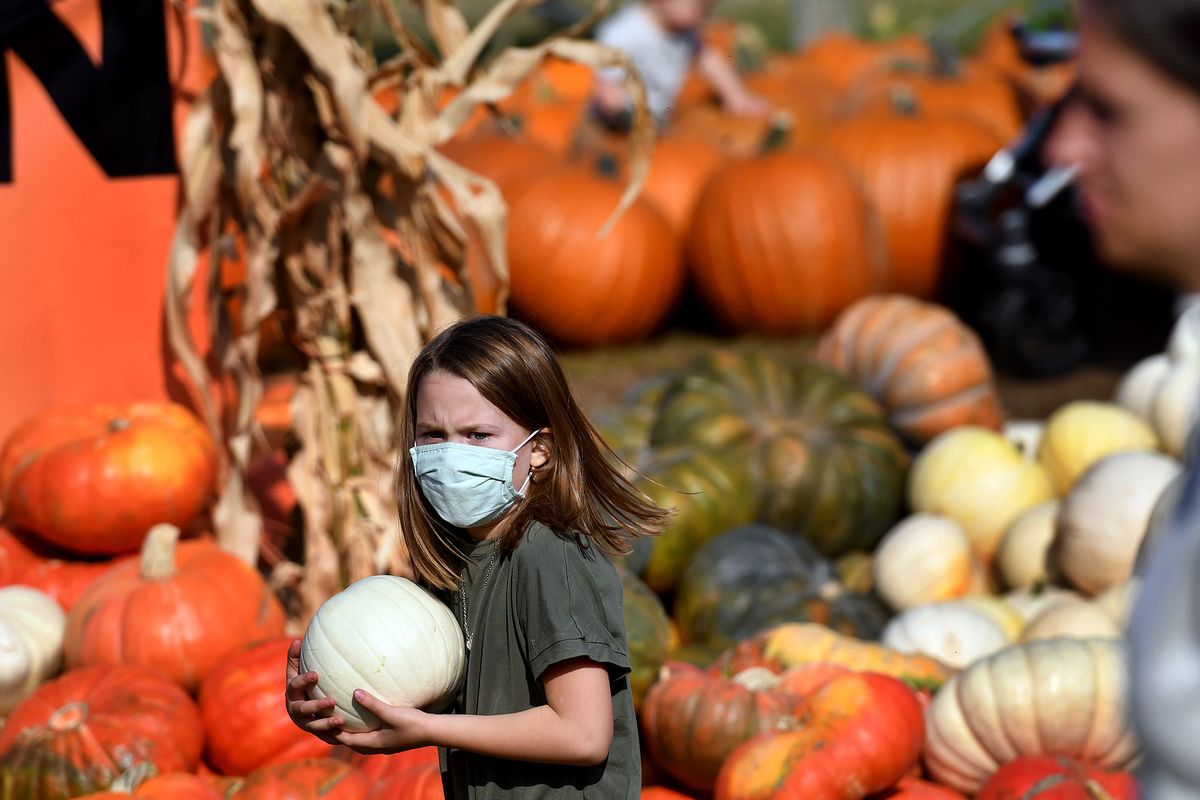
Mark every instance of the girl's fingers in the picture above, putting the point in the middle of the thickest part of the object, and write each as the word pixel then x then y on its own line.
pixel 324 725
pixel 308 708
pixel 299 684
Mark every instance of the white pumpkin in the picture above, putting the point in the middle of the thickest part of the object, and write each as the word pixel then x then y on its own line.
pixel 1061 697
pixel 1025 435
pixel 1103 520
pixel 1117 602
pixel 1001 612
pixel 979 479
pixel 1033 600
pixel 1084 431
pixel 1176 404
pixel 954 633
pixel 32 625
pixel 1077 618
pixel 923 559
pixel 1184 341
pixel 1021 556
pixel 390 637
pixel 1139 387
pixel 1160 518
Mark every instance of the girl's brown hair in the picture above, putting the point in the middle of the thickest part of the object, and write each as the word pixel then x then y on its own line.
pixel 1164 32
pixel 577 492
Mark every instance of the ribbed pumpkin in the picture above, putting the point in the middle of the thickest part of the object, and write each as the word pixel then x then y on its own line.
pixel 180 609
pixel 691 721
pixel 679 169
pixel 752 578
pixel 245 724
pixel 910 165
pixel 306 779
pixel 757 269
pixel 919 361
pixel 499 157
pixel 93 479
pixel 647 630
pixel 858 734
pixel 423 782
pixel 794 643
pixel 708 492
pixel 80 732
pixel 926 558
pixel 31 633
pixel 829 468
pixel 844 60
pixel 1053 697
pixel 909 788
pixel 1056 778
pixel 170 786
pixel 576 286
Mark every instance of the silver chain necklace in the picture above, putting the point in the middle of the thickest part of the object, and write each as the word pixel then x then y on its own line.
pixel 462 594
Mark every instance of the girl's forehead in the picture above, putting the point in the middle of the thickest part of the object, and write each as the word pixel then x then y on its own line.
pixel 444 398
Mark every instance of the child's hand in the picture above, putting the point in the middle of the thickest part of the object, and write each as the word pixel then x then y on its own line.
pixel 309 715
pixel 746 104
pixel 402 728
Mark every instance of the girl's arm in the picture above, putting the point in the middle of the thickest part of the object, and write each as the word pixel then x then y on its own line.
pixel 574 727
pixel 723 78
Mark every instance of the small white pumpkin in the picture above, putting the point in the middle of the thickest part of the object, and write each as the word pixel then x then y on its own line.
pixel 981 480
pixel 1077 618
pixel 1184 341
pixel 1025 435
pixel 954 633
pixel 1084 431
pixel 1033 600
pixel 923 559
pixel 1103 520
pixel 390 637
pixel 1021 556
pixel 1140 385
pixel 1117 602
pixel 1176 404
pixel 32 625
pixel 1001 612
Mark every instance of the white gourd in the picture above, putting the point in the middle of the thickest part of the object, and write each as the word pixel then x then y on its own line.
pixel 390 637
pixel 1175 406
pixel 1077 618
pixel 32 625
pixel 1021 556
pixel 923 559
pixel 1033 600
pixel 954 633
pixel 1140 386
pixel 1104 518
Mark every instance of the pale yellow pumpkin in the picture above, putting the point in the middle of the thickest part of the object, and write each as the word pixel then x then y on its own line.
pixel 1084 431
pixel 32 625
pixel 1117 602
pixel 923 559
pixel 981 480
pixel 1077 618
pixel 955 633
pixel 1021 556
pixel 1165 393
pixel 1105 516
pixel 1057 697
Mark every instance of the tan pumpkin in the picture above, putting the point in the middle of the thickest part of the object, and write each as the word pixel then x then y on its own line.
pixel 1033 600
pixel 1166 394
pixel 1105 517
pixel 1071 618
pixel 1058 696
pixel 1117 601
pixel 1082 432
pixel 925 367
pixel 979 479
pixel 757 270
pixel 1025 545
pixel 31 635
pixel 923 559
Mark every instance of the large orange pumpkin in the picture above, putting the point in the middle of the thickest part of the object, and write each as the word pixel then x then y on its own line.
pixel 500 157
pixel 421 782
pixel 181 609
pixel 783 242
pixel 844 60
pixel 920 362
pixel 859 733
pixel 29 562
pixel 79 732
pixel 680 167
pixel 94 479
pixel 245 723
pixel 691 721
pixel 910 788
pixel 306 779
pixel 1056 778
pixel 576 286
pixel 910 165
pixel 169 786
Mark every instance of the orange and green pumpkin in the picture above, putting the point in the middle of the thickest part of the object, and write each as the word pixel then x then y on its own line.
pixel 827 465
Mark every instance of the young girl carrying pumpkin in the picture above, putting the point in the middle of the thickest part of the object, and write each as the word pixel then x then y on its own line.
pixel 508 505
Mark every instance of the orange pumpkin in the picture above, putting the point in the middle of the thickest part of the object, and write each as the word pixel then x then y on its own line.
pixel 858 734
pixel 94 479
pixel 378 766
pixel 1037 86
pixel 845 60
pixel 576 286
pixel 783 242
pixel 306 779
pixel 919 361
pixel 910 788
pixel 88 726
pixel 1056 778
pixel 500 157
pixel 422 782
pixel 680 167
pixel 744 136
pixel 691 721
pixel 910 165
pixel 31 563
pixel 181 609
pixel 245 724
pixel 170 786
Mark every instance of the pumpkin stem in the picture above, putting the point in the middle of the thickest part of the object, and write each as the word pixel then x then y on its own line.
pixel 904 100
pixel 158 551
pixel 119 424
pixel 778 133
pixel 756 679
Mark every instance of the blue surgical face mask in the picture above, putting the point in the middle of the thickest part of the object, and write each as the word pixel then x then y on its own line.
pixel 468 485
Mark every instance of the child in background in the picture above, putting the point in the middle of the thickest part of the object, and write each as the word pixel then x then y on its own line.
pixel 663 39
pixel 508 504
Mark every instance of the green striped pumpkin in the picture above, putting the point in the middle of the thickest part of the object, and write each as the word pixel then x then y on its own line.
pixel 647 633
pixel 827 465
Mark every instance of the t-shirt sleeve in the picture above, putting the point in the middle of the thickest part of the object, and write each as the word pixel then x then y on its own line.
pixel 570 606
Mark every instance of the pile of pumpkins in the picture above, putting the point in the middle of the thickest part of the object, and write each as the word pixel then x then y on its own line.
pixel 777 223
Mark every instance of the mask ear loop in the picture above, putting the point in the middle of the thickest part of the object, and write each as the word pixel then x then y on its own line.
pixel 529 475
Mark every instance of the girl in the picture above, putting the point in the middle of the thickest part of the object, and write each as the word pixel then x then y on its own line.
pixel 508 503
pixel 1133 131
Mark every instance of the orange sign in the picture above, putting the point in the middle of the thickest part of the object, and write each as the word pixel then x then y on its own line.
pixel 93 95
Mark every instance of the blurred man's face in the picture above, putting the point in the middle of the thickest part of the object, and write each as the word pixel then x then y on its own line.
pixel 681 15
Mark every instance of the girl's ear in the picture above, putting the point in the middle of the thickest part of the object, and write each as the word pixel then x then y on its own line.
pixel 542 444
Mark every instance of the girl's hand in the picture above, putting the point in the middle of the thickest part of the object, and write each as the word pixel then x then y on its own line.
pixel 312 716
pixel 403 728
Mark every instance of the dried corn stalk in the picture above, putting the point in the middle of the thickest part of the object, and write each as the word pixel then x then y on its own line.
pixel 343 209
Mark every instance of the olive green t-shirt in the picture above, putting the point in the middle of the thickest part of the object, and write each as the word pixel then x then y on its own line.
pixel 550 600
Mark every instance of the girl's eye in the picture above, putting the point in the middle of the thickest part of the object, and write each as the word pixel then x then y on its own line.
pixel 430 436
pixel 478 436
